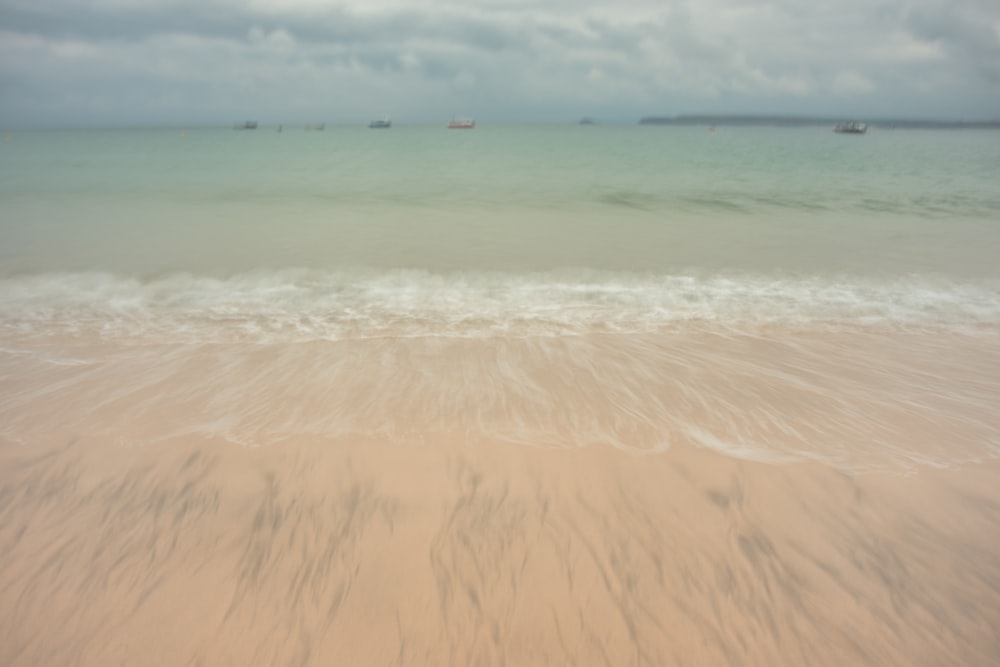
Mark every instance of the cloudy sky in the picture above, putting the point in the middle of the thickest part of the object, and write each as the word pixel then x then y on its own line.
pixel 185 62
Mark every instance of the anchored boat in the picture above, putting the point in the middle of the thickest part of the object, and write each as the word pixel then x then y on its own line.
pixel 853 127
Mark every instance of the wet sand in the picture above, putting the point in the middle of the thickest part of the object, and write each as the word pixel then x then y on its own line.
pixel 349 552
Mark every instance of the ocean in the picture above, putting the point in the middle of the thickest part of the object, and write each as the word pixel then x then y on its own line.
pixel 774 294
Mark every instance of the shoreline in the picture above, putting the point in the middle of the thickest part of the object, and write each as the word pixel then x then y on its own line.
pixel 352 552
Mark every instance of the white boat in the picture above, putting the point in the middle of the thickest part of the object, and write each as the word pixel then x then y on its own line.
pixel 461 124
pixel 852 127
pixel 382 123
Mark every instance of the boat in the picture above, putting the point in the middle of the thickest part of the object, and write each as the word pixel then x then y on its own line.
pixel 852 127
pixel 246 125
pixel 461 124
pixel 382 123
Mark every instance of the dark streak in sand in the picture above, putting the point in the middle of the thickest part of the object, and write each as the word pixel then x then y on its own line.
pixel 308 558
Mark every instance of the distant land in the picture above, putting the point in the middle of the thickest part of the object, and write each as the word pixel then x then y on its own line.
pixel 802 121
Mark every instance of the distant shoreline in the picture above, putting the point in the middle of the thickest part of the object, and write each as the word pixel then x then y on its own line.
pixel 804 121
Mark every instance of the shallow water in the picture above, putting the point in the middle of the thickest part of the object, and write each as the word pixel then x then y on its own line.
pixel 771 293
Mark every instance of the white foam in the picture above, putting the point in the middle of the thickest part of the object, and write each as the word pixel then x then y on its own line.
pixel 302 305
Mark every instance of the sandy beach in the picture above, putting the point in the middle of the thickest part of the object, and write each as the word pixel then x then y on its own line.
pixel 365 553
pixel 536 394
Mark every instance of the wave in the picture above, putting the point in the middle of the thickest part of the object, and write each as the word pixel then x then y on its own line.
pixel 303 304
pixel 847 371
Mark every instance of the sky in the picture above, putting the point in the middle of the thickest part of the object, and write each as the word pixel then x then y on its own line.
pixel 189 62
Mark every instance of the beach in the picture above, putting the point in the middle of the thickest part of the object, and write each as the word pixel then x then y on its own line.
pixel 522 395
pixel 198 552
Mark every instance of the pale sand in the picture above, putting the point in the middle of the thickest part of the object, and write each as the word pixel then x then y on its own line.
pixel 361 553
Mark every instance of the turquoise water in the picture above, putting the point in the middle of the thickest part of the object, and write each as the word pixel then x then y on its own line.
pixel 683 222
pixel 519 233
pixel 621 198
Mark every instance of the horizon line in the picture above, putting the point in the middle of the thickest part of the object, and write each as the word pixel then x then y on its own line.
pixel 655 119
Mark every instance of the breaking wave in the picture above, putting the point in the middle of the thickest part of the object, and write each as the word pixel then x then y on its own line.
pixel 303 305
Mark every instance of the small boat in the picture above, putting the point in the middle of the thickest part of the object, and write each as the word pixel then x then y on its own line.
pixel 461 124
pixel 853 127
pixel 246 125
pixel 382 123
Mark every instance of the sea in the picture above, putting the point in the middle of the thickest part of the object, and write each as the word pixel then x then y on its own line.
pixel 777 294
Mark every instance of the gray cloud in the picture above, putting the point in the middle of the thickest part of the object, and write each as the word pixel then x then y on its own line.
pixel 970 34
pixel 126 61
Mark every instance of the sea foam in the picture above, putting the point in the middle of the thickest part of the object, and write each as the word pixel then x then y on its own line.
pixel 303 305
